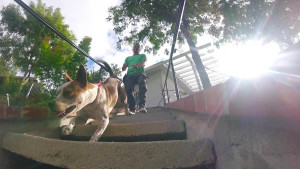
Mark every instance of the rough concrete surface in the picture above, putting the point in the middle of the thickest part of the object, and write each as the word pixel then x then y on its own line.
pixel 153 114
pixel 240 142
pixel 72 154
pixel 198 125
pixel 256 143
pixel 42 127
pixel 149 131
pixel 243 142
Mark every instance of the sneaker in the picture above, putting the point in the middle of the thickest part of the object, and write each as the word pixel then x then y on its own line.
pixel 143 110
pixel 130 113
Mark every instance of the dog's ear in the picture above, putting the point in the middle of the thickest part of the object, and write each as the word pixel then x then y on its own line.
pixel 81 76
pixel 67 77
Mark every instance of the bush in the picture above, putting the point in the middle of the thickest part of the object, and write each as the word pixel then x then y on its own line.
pixel 17 93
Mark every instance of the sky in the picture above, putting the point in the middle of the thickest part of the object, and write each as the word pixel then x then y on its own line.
pixel 88 18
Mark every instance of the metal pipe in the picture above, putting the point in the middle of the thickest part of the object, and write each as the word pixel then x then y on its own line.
pixel 178 23
pixel 29 91
pixel 179 18
pixel 7 98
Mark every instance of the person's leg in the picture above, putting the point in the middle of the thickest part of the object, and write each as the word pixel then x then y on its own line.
pixel 129 86
pixel 142 91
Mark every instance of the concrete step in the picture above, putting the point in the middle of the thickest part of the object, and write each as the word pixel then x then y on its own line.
pixel 134 155
pixel 131 132
pixel 153 114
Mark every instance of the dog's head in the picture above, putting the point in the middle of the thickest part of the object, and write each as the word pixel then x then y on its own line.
pixel 73 95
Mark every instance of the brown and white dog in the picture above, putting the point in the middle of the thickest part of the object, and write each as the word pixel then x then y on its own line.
pixel 90 101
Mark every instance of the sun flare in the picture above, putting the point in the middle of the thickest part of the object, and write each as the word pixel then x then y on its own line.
pixel 249 60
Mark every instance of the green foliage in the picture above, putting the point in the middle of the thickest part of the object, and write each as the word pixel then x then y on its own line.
pixel 93 76
pixel 78 57
pixel 227 20
pixel 6 68
pixel 10 85
pixel 270 20
pixel 40 100
pixel 18 89
pixel 154 21
pixel 31 48
pixel 15 89
pixel 35 49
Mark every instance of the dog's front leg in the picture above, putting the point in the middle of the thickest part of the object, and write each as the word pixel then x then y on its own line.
pixel 67 130
pixel 99 131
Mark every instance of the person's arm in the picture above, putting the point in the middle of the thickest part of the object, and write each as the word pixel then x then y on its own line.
pixel 124 67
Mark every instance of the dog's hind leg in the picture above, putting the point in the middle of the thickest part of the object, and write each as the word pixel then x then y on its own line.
pixel 99 131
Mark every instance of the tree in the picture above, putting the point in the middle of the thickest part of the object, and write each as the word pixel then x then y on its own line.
pixel 93 76
pixel 6 69
pixel 269 20
pixel 34 48
pixel 155 21
pixel 78 57
pixel 226 20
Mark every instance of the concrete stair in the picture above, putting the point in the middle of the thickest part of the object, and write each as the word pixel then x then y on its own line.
pixel 133 132
pixel 74 154
pixel 154 114
pixel 152 140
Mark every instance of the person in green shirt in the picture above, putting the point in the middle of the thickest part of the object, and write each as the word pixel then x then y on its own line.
pixel 136 75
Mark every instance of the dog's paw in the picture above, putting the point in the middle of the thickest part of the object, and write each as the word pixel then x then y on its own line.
pixel 67 130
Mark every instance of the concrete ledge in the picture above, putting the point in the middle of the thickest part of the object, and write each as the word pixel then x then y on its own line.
pixel 252 143
pixel 72 154
pixel 154 114
pixel 150 131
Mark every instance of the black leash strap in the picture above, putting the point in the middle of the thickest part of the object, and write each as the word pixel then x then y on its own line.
pixel 38 17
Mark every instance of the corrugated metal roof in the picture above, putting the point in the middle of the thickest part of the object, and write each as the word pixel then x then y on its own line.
pixel 185 68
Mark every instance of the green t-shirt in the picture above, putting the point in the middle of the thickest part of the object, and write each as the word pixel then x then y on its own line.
pixel 135 59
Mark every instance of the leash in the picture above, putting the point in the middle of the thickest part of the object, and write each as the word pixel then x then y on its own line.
pixel 108 69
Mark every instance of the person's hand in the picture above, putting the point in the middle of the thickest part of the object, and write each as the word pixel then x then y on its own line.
pixel 135 66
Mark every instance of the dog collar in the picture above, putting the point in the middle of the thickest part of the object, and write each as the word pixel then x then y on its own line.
pixel 99 84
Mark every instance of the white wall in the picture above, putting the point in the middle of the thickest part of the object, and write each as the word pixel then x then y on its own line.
pixel 155 82
pixel 154 93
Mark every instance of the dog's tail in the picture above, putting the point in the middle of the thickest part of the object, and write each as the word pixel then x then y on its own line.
pixel 107 67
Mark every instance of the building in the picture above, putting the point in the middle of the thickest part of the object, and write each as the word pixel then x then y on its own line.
pixel 187 77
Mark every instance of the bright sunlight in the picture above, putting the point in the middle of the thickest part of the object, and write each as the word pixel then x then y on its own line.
pixel 249 60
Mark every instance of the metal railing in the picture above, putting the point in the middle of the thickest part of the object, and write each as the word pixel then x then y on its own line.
pixel 169 95
pixel 178 23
